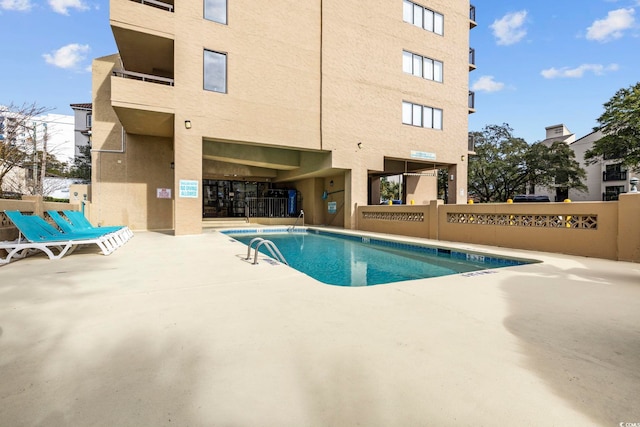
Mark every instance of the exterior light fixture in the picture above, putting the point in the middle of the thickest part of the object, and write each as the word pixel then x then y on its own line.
pixel 360 145
pixel 462 158
pixel 173 165
pixel 187 124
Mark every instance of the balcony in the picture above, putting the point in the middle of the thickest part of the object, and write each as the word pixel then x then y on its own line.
pixel 614 176
pixel 144 36
pixel 143 103
pixel 471 144
pixel 472 102
pixel 472 59
pixel 472 16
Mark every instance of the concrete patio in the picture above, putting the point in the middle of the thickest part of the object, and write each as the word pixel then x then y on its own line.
pixel 182 331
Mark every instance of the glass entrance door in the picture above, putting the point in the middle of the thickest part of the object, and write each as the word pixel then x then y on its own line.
pixel 215 200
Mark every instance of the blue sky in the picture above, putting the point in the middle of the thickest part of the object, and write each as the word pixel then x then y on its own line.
pixel 539 63
pixel 542 63
pixel 47 49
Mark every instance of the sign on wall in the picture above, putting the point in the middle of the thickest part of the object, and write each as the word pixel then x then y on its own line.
pixel 163 193
pixel 333 207
pixel 188 188
pixel 422 155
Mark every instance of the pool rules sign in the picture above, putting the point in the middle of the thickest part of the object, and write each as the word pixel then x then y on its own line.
pixel 188 189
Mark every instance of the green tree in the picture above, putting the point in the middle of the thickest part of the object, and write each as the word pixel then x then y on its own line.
pixel 389 190
pixel 505 165
pixel 82 164
pixel 620 125
pixel 499 168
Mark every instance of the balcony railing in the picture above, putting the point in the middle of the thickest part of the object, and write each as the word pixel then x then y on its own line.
pixel 472 59
pixel 614 176
pixel 157 4
pixel 143 77
pixel 268 207
pixel 472 15
pixel 472 100
pixel 472 144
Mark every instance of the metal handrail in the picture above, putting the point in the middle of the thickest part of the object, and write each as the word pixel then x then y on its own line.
pixel 143 77
pixel 296 223
pixel 271 247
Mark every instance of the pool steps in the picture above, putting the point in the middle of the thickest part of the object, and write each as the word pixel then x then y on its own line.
pixel 271 247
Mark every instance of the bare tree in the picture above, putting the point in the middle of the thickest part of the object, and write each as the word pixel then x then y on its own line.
pixel 19 142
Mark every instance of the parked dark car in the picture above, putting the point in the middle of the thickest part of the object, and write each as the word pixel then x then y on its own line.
pixel 528 198
pixel 10 195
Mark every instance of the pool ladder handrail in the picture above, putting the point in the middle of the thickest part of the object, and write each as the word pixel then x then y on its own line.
pixel 301 215
pixel 271 247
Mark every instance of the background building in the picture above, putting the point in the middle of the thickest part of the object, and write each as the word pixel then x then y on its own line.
pixel 82 116
pixel 605 179
pixel 216 109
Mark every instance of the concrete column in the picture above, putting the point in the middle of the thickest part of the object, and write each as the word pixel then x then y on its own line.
pixel 629 227
pixel 458 183
pixel 356 192
pixel 187 177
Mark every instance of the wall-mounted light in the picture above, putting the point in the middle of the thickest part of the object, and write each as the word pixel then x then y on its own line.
pixel 331 183
pixel 173 165
pixel 462 158
pixel 360 145
pixel 187 124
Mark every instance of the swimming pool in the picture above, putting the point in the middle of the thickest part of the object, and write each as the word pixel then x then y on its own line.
pixel 352 260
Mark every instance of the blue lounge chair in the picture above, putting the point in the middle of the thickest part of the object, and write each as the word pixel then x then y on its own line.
pixel 80 222
pixel 71 223
pixel 35 234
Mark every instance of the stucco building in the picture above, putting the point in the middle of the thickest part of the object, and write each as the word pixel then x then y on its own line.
pixel 605 179
pixel 214 108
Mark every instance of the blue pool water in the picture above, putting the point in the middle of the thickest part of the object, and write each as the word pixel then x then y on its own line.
pixel 348 260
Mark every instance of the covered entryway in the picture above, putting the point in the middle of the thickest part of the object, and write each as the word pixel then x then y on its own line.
pixel 411 182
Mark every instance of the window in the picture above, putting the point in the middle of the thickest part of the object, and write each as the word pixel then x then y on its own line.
pixel 420 66
pixel 614 172
pixel 216 10
pixel 89 117
pixel 421 115
pixel 422 17
pixel 215 71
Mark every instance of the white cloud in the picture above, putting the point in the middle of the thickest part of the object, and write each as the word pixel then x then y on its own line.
pixel 63 6
pixel 19 5
pixel 612 26
pixel 68 56
pixel 487 84
pixel 510 28
pixel 578 72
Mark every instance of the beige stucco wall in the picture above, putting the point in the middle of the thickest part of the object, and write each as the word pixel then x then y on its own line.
pixel 364 86
pixel 629 227
pixel 406 220
pixel 598 242
pixel 126 170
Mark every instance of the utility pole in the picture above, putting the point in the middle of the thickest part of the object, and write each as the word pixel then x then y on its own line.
pixel 43 169
pixel 35 158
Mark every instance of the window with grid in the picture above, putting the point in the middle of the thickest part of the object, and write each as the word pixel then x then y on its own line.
pixel 422 66
pixel 422 17
pixel 421 116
